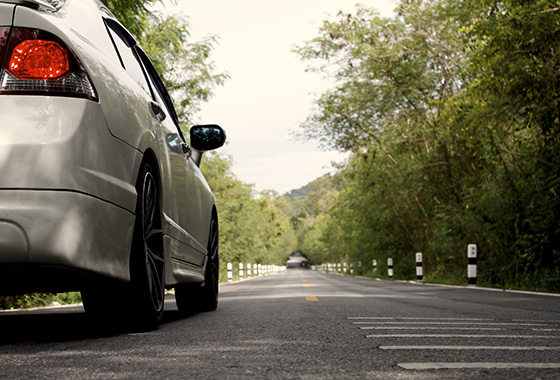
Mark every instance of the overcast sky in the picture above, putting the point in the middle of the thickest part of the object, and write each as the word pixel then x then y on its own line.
pixel 269 93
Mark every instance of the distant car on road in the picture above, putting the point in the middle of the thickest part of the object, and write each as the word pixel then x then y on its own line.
pixel 99 190
pixel 297 260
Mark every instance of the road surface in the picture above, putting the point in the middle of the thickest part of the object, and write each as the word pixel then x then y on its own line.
pixel 302 324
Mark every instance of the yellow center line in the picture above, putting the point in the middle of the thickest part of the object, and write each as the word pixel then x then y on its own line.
pixel 311 299
pixel 305 285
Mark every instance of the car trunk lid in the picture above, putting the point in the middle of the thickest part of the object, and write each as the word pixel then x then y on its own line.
pixel 6 13
pixel 42 5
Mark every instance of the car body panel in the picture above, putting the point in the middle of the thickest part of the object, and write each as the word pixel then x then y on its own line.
pixel 41 135
pixel 6 14
pixel 65 229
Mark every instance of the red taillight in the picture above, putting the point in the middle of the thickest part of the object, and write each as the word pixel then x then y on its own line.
pixel 38 63
pixel 38 59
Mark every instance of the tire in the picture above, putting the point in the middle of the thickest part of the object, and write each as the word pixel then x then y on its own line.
pixel 147 263
pixel 204 297
pixel 102 305
pixel 137 305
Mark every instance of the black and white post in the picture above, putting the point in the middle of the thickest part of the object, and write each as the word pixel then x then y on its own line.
pixel 374 264
pixel 471 270
pixel 419 268
pixel 229 271
pixel 390 268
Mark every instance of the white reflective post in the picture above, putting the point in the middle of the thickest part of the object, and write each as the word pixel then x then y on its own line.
pixel 471 270
pixel 419 269
pixel 229 271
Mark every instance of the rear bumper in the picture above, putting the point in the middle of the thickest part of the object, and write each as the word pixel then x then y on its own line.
pixel 57 143
pixel 44 233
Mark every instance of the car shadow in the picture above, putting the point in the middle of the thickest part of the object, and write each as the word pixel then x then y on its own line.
pixel 65 324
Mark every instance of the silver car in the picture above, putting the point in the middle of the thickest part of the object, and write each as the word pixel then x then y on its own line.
pixel 99 190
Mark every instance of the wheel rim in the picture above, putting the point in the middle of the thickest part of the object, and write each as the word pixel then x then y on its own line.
pixel 214 256
pixel 214 243
pixel 152 239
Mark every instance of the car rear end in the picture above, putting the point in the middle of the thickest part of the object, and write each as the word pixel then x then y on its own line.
pixel 67 193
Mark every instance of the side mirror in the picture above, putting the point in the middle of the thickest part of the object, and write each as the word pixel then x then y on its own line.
pixel 205 138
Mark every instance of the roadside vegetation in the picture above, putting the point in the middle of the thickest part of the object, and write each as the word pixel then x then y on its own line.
pixel 450 113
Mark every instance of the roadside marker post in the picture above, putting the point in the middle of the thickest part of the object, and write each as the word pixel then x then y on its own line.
pixel 229 271
pixel 390 268
pixel 471 269
pixel 240 270
pixel 374 264
pixel 248 270
pixel 419 268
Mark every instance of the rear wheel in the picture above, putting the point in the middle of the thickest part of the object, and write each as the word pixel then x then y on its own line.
pixel 204 297
pixel 137 305
pixel 147 267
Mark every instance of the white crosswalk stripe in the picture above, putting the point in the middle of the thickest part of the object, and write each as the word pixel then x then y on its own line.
pixel 448 335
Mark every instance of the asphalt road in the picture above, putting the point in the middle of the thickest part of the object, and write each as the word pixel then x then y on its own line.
pixel 302 325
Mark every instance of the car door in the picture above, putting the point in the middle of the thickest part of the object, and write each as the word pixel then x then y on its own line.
pixel 183 180
pixel 172 152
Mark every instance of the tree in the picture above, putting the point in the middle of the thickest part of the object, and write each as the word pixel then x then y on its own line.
pixel 514 64
pixel 185 66
pixel 450 111
pixel 253 227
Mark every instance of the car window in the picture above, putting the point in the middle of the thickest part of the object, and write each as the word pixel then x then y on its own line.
pixel 159 86
pixel 127 56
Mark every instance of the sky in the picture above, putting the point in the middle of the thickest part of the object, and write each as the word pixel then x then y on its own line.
pixel 269 93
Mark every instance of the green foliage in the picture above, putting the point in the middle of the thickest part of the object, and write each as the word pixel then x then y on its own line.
pixel 134 14
pixel 39 300
pixel 254 228
pixel 309 218
pixel 185 66
pixel 450 111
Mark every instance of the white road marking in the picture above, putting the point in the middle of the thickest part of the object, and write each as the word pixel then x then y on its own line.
pixel 425 366
pixel 402 325
pixel 452 323
pixel 419 318
pixel 462 336
pixel 547 330
pixel 430 328
pixel 505 348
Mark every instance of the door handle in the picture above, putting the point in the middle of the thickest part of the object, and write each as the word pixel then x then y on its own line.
pixel 186 150
pixel 158 112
